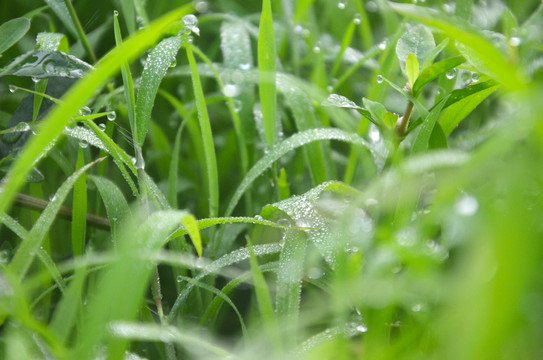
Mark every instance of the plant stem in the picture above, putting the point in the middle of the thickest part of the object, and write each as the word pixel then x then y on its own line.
pixel 80 31
pixel 403 122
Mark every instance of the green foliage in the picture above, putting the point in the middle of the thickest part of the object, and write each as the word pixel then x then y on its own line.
pixel 228 233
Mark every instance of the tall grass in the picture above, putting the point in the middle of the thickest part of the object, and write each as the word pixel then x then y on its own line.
pixel 274 179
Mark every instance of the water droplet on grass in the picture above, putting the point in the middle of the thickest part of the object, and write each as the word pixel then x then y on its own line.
pixel 245 66
pixel 201 6
pixel 115 12
pixel 238 105
pixel 466 206
pixel 102 127
pixel 179 279
pixel 84 144
pixel 84 111
pixel 341 5
pixel 383 45
pixel 515 41
pixel 316 49
pixel 12 88
pixel 111 116
pixel 191 23
pixel 174 63
pixel 22 126
pixel 372 6
pixel 283 222
pixel 357 19
pixel 35 79
pixel 475 77
pixel 451 74
pixel 231 90
pixel 380 79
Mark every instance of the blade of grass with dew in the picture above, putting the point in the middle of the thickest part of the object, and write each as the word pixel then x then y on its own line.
pixel 207 136
pixel 157 196
pixel 295 141
pixel 79 206
pixel 156 66
pixel 128 84
pixel 421 141
pixel 221 295
pixel 231 258
pixel 289 284
pixel 120 290
pixel 25 253
pixel 489 59
pixel 129 15
pixel 174 167
pixel 266 73
pixel 345 42
pixel 12 31
pixel 432 72
pixel 59 65
pixel 76 97
pixel 114 201
pixel 271 326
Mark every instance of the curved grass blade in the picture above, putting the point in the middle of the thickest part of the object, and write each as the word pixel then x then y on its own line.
pixel 156 66
pixel 79 206
pixel 423 137
pixel 12 31
pixel 295 141
pixel 207 136
pixel 76 97
pixel 434 71
pixel 266 73
pixel 174 167
pixel 189 340
pixel 27 250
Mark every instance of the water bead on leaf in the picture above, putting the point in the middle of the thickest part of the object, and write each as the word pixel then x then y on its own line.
pixel 111 116
pixel 341 5
pixel 383 45
pixel 357 19
pixel 115 12
pixel 515 41
pixel 102 127
pixel 12 88
pixel 35 79
pixel 84 144
pixel 238 105
pixel 231 90
pixel 474 77
pixel 380 79
pixel 191 23
pixel 451 74
pixel 316 49
pixel 201 6
pixel 84 111
pixel 22 126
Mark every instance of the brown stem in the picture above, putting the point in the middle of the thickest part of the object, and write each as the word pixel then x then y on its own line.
pixel 33 203
pixel 403 122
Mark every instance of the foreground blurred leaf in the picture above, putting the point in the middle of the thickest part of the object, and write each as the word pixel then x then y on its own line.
pixel 12 31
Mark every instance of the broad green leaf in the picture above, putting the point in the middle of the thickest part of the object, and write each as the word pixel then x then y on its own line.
pixel 434 53
pixel 377 110
pixel 12 31
pixel 486 54
pixel 454 114
pixel 54 123
pixel 27 250
pixel 79 206
pixel 295 141
pixel 412 69
pixel 156 66
pixel 434 71
pixel 342 102
pixel 266 73
pixel 417 40
pixel 45 64
pixel 47 41
pixel 207 136
pixel 423 137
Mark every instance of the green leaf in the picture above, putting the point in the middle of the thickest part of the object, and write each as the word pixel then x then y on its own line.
pixel 487 56
pixel 434 71
pixel 48 41
pixel 434 53
pixel 377 110
pixel 207 136
pixel 266 73
pixel 156 66
pixel 470 98
pixel 61 10
pixel 45 64
pixel 342 102
pixel 190 224
pixel 423 137
pixel 27 250
pixel 79 206
pixel 412 69
pixel 295 141
pixel 12 31
pixel 417 40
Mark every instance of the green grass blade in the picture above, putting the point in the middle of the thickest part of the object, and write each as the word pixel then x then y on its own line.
pixel 434 71
pixel 79 206
pixel 207 136
pixel 191 225
pixel 174 167
pixel 61 10
pixel 156 66
pixel 27 250
pixel 12 31
pixel 266 72
pixel 129 15
pixel 56 120
pixel 423 137
pixel 295 141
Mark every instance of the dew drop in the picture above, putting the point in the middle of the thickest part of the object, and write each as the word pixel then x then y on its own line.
pixel 179 279
pixel 466 206
pixel 201 6
pixel 283 222
pixel 173 63
pixel 191 23
pixel 115 12
pixel 514 41
pixel 102 127
pixel 316 49
pixel 475 77
pixel 383 45
pixel 35 79
pixel 372 6
pixel 341 5
pixel 53 197
pixel 362 328
pixel 380 79
pixel 84 111
pixel 84 144
pixel 374 134
pixel 231 90
pixel 298 29
pixel 12 88
pixel 259 218
pixel 22 126
pixel 451 74
pixel 245 66
pixel 357 19
pixel 112 115
pixel 238 105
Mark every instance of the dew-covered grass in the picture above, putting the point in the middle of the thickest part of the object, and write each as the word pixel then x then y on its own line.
pixel 312 179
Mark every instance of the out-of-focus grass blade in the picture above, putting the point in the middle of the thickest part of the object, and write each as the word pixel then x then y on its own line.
pixel 116 206
pixel 54 123
pixel 189 340
pixel 289 282
pixel 266 72
pixel 207 136
pixel 295 141
pixel 423 137
pixel 190 224
pixel 434 71
pixel 463 9
pixel 79 206
pixel 174 167
pixel 156 66
pixel 129 15
pixel 264 302
pixel 58 65
pixel 12 31
pixel 61 10
pixel 27 250
pixel 489 59
pixel 347 39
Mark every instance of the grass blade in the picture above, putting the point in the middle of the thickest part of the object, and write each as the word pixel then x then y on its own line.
pixel 79 206
pixel 423 137
pixel 266 73
pixel 12 31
